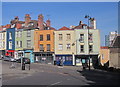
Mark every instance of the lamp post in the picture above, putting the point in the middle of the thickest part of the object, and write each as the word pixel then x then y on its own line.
pixel 89 18
pixel 76 49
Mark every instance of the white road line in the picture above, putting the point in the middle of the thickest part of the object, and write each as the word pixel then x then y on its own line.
pixel 56 83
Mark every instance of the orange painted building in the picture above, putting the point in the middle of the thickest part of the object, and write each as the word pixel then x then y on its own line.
pixel 44 37
pixel 44 45
pixel 104 55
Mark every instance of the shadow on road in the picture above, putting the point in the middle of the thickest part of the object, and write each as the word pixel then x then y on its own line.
pixel 99 77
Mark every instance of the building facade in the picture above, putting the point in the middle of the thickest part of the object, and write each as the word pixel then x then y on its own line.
pixel 2 42
pixel 87 43
pixel 28 44
pixel 44 46
pixel 83 50
pixel 64 50
pixel 10 42
pixel 114 60
pixel 104 56
pixel 19 43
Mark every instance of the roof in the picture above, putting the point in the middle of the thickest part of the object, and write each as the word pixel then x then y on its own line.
pixel 104 47
pixel 51 28
pixel 79 26
pixel 64 28
pixel 116 42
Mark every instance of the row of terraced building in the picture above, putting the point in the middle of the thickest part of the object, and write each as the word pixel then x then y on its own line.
pixel 37 40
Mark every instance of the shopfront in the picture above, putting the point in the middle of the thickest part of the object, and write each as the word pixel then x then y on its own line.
pixel 10 53
pixel 43 57
pixel 67 59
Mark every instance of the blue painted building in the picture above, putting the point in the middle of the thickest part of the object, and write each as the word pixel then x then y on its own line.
pixel 10 41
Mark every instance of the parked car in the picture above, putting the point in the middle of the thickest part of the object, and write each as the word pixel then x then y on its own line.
pixel 24 59
pixel 12 59
pixel 6 58
pixel 1 57
pixel 18 60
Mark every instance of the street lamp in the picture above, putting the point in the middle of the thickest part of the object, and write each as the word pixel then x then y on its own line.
pixel 75 42
pixel 89 18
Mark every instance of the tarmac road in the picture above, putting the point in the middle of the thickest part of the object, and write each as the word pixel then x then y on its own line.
pixel 50 75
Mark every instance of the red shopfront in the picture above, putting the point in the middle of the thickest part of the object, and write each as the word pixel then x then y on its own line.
pixel 10 53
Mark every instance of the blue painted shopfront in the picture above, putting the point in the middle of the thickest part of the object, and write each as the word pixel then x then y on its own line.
pixel 67 59
pixel 29 54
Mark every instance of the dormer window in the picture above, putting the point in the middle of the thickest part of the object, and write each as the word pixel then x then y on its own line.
pixel 23 25
pixel 12 26
pixel 84 27
pixel 31 24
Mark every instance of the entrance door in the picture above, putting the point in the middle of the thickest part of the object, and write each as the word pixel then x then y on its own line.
pixel 78 62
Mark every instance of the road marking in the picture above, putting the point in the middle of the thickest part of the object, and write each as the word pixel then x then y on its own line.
pixel 56 83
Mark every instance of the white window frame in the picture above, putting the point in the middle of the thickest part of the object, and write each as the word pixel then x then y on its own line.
pixel 10 44
pixel 68 46
pixel 60 46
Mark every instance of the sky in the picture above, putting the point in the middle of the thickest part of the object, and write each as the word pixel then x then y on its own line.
pixel 66 13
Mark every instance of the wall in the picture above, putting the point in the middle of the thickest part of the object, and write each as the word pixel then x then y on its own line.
pixel 44 42
pixel 96 40
pixel 3 40
pixel 13 38
pixel 114 58
pixel 19 39
pixel 28 38
pixel 104 56
pixel 64 42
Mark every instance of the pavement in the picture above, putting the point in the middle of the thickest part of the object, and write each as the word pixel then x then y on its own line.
pixel 50 75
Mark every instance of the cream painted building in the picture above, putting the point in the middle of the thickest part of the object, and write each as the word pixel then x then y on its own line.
pixel 2 42
pixel 64 38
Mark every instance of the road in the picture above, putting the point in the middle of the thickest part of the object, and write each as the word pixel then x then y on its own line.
pixel 50 75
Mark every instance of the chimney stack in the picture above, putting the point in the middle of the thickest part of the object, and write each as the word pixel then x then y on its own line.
pixel 27 19
pixel 80 23
pixel 40 22
pixel 93 23
pixel 48 22
pixel 16 19
pixel 8 26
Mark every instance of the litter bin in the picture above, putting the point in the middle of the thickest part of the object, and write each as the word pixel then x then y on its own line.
pixel 23 66
pixel 54 62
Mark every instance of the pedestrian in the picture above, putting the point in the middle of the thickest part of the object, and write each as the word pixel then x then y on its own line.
pixel 83 64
